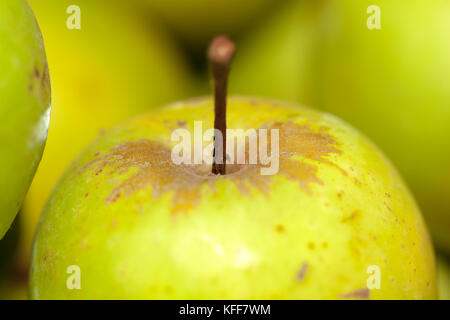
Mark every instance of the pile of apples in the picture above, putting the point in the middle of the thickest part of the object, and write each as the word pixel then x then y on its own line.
pixel 100 210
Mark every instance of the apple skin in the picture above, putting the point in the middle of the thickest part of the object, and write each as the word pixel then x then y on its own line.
pixel 118 65
pixel 24 105
pixel 140 227
pixel 389 83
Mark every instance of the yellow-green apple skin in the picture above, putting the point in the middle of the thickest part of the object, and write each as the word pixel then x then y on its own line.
pixel 117 65
pixel 139 226
pixel 443 276
pixel 24 105
pixel 391 83
pixel 197 21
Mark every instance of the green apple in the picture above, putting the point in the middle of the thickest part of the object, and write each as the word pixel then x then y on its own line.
pixel 196 21
pixel 282 53
pixel 443 276
pixel 126 222
pixel 24 105
pixel 117 65
pixel 391 83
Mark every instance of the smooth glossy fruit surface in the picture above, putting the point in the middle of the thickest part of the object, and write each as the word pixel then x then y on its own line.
pixel 24 105
pixel 391 83
pixel 140 227
pixel 117 65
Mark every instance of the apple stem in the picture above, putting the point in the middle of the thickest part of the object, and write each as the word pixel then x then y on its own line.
pixel 220 55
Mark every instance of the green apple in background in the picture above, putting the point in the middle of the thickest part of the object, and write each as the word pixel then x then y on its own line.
pixel 391 83
pixel 279 59
pixel 128 223
pixel 24 105
pixel 117 65
pixel 197 21
pixel 443 276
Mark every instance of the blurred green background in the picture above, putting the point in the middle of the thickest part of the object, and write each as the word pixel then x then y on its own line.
pixel 384 69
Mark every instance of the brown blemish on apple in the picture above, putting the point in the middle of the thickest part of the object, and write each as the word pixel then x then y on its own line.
pixel 39 84
pixel 363 294
pixel 352 216
pixel 154 167
pixel 311 246
pixel 279 228
pixel 386 205
pixel 37 74
pixel 302 272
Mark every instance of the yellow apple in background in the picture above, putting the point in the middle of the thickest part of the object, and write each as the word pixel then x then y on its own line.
pixel 197 21
pixel 279 59
pixel 118 64
pixel 391 83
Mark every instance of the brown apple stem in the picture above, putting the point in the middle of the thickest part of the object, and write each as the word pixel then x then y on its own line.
pixel 220 55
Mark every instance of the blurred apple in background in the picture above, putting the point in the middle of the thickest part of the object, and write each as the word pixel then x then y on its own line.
pixel 391 83
pixel 24 105
pixel 197 21
pixel 118 64
pixel 279 59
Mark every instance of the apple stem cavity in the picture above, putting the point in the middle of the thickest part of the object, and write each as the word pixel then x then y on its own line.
pixel 220 55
